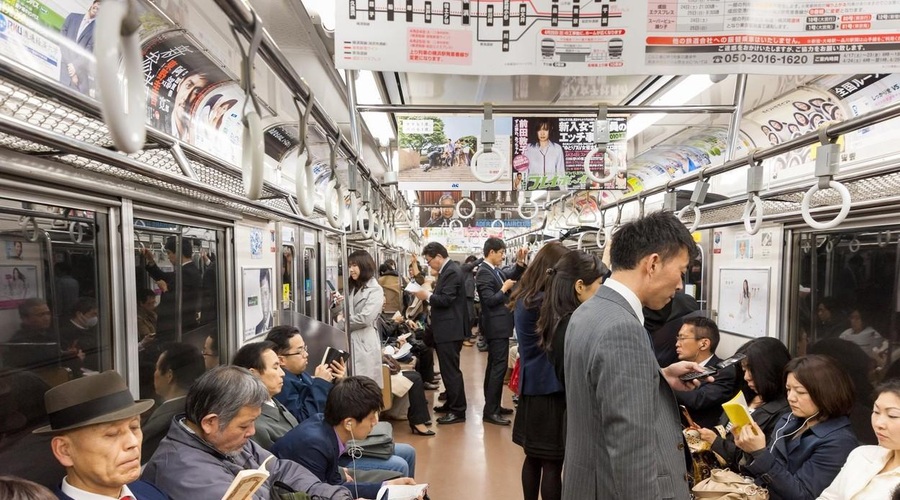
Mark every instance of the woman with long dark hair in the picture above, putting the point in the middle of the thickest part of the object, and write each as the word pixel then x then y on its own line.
pixel 366 301
pixel 539 425
pixel 573 280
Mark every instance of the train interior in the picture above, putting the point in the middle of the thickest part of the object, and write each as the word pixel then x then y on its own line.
pixel 252 232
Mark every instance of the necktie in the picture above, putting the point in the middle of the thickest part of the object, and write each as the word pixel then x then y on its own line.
pixel 498 275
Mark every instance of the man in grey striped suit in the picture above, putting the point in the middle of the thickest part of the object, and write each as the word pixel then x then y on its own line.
pixel 624 436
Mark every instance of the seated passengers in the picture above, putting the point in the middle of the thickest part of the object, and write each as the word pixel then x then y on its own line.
pixel 275 420
pixel 208 446
pixel 874 471
pixel 350 413
pixel 812 442
pixel 301 394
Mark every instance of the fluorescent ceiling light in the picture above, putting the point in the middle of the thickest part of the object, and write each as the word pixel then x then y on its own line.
pixel 367 91
pixel 685 90
pixel 324 9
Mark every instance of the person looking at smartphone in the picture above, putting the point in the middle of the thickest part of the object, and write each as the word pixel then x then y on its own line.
pixel 697 341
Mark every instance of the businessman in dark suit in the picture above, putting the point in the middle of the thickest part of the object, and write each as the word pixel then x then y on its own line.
pixel 449 322
pixel 191 289
pixel 78 28
pixel 697 341
pixel 624 438
pixel 494 285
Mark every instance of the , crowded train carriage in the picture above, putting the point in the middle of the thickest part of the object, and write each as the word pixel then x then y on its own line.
pixel 496 248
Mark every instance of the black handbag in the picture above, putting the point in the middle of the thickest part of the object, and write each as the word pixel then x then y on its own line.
pixel 379 443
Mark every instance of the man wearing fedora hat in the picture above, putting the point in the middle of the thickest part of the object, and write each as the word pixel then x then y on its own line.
pixel 96 428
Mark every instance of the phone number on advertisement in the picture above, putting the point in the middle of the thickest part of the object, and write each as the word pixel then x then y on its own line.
pixel 761 59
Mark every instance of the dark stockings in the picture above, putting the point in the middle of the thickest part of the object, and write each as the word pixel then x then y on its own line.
pixel 544 476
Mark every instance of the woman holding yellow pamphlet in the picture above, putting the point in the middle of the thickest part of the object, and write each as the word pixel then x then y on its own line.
pixel 812 442
pixel 874 471
pixel 763 393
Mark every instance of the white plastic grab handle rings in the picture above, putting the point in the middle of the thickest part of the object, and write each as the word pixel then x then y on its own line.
pixel 681 213
pixel 252 156
pixel 455 223
pixel 587 167
pixel 468 201
pixel 529 204
pixel 361 227
pixel 125 118
pixel 602 237
pixel 335 211
pixel 498 224
pixel 845 206
pixel 306 186
pixel 487 178
pixel 753 202
pixel 581 240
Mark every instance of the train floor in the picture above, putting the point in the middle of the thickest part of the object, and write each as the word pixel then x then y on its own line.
pixel 472 460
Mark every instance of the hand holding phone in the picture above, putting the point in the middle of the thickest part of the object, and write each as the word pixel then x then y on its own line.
pixel 711 370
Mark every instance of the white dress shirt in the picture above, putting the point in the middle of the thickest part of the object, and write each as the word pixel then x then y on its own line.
pixel 629 296
pixel 861 477
pixel 79 494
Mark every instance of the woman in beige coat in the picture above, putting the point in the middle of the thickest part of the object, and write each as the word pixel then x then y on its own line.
pixel 366 299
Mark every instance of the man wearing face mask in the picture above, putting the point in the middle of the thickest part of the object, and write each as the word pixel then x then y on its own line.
pixel 80 332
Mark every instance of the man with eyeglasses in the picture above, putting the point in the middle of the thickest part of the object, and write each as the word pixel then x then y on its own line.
pixel 301 394
pixel 697 341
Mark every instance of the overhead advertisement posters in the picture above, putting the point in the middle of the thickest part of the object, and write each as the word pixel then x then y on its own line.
pixel 438 209
pixel 549 153
pixel 190 97
pixel 436 153
pixel 572 37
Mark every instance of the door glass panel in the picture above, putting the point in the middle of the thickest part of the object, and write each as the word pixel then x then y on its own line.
pixel 176 273
pixel 288 277
pixel 55 321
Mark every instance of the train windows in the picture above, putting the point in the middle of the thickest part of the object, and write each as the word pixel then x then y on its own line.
pixel 55 321
pixel 845 286
pixel 177 275
pixel 288 277
pixel 309 303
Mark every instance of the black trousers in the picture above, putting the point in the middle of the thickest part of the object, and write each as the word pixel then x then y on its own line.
pixel 494 373
pixel 425 362
pixel 418 405
pixel 448 358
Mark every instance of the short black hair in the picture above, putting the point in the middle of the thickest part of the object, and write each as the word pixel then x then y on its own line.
pixel 659 232
pixel 184 361
pixel 830 303
pixel 84 305
pixel 250 355
pixel 143 294
pixel 705 328
pixel 281 336
pixel 493 243
pixel 27 305
pixel 433 249
pixel 187 248
pixel 384 268
pixel 353 397
pixel 471 259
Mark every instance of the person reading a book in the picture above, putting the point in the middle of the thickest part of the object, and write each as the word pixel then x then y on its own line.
pixel 811 443
pixel 209 446
pixel 301 394
pixel 764 391
pixel 697 341
pixel 874 471
pixel 96 429
pixel 275 420
pixel 351 412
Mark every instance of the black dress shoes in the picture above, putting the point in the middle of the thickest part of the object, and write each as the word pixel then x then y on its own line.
pixel 441 409
pixel 451 418
pixel 505 411
pixel 430 387
pixel 495 419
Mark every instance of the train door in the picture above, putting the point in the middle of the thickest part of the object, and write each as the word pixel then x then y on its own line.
pixel 178 270
pixel 57 316
pixel 844 285
pixel 288 269
pixel 308 273
pixel 333 276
